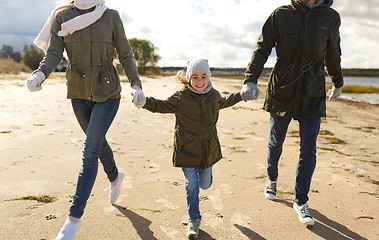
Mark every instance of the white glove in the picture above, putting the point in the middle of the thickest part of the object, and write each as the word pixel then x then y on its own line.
pixel 334 93
pixel 249 91
pixel 139 98
pixel 34 82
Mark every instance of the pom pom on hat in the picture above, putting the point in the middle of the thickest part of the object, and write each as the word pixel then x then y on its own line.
pixel 199 65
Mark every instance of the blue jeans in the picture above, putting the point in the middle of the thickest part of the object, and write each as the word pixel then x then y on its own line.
pixel 309 129
pixel 196 178
pixel 94 118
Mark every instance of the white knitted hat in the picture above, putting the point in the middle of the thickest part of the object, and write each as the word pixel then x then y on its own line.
pixel 199 65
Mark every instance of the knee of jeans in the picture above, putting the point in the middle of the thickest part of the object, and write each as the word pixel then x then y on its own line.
pixel 207 186
pixel 90 156
pixel 192 187
pixel 308 149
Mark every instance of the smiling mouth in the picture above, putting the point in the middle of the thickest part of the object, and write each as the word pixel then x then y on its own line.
pixel 200 86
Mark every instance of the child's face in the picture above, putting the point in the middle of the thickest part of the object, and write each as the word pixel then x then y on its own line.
pixel 199 81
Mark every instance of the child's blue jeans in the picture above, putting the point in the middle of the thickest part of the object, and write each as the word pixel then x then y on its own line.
pixel 94 118
pixel 196 178
pixel 309 129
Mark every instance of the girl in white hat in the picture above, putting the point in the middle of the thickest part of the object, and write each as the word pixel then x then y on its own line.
pixel 196 144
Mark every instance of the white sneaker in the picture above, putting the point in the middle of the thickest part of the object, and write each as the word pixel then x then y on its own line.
pixel 304 215
pixel 193 229
pixel 69 230
pixel 114 190
pixel 270 190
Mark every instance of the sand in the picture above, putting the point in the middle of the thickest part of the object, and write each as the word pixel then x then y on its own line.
pixel 41 145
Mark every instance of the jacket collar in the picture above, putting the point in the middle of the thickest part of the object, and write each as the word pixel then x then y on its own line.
pixel 299 5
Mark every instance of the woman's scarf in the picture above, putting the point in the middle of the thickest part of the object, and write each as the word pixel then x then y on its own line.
pixel 72 25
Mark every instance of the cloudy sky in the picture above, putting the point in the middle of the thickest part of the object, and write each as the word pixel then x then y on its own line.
pixel 224 31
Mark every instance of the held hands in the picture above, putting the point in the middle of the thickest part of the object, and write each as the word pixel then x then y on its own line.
pixel 334 93
pixel 34 82
pixel 249 91
pixel 139 98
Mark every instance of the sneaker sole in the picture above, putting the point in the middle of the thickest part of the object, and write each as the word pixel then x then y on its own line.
pixel 270 196
pixel 309 222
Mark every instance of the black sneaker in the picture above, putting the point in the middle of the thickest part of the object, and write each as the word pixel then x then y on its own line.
pixel 270 190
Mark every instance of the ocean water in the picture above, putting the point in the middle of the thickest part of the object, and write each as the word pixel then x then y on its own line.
pixel 361 81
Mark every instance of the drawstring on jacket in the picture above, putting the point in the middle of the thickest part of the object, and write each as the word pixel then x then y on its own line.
pixel 290 69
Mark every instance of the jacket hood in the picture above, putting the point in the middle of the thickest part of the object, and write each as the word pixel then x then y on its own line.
pixel 298 4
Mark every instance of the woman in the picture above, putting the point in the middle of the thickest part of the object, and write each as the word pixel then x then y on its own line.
pixel 90 33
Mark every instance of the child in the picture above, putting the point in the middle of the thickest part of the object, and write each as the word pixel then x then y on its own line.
pixel 196 144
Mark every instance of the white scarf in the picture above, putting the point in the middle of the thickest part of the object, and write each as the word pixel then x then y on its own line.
pixel 72 25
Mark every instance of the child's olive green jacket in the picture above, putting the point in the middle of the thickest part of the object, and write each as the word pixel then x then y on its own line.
pixel 196 144
pixel 90 73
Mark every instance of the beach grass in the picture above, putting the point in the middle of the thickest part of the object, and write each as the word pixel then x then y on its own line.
pixel 356 89
pixel 41 198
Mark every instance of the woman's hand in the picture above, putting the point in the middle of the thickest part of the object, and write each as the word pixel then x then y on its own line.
pixel 34 82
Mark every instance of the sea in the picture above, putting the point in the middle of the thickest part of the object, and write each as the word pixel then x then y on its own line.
pixel 372 98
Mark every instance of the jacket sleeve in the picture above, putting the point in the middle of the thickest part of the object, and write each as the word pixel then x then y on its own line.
pixel 170 105
pixel 230 100
pixel 124 51
pixel 265 43
pixel 333 56
pixel 54 53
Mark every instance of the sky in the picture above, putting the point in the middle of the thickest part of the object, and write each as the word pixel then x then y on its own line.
pixel 223 31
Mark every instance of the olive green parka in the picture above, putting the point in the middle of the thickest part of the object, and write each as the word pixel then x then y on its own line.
pixel 90 73
pixel 306 41
pixel 196 143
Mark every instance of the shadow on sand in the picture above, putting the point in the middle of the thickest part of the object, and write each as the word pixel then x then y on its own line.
pixel 249 233
pixel 327 228
pixel 141 224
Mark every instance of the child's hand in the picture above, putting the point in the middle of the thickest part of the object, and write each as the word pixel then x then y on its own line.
pixel 139 98
pixel 249 91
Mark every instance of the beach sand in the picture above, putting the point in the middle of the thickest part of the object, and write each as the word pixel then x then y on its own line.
pixel 41 145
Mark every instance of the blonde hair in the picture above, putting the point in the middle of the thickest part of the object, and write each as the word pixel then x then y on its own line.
pixel 181 77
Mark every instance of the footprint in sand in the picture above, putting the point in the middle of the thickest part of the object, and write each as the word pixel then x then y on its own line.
pixel 166 203
pixel 108 209
pixel 226 188
pixel 154 168
pixel 127 182
pixel 213 219
pixel 241 219
pixel 216 200
pixel 172 233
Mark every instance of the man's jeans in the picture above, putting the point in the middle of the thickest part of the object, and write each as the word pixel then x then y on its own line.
pixel 196 178
pixel 95 119
pixel 309 129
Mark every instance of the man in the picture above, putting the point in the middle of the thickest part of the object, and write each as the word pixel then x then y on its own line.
pixel 306 38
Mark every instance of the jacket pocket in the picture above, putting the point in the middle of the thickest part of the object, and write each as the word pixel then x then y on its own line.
pixel 108 79
pixel 289 37
pixel 276 86
pixel 184 142
pixel 315 87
